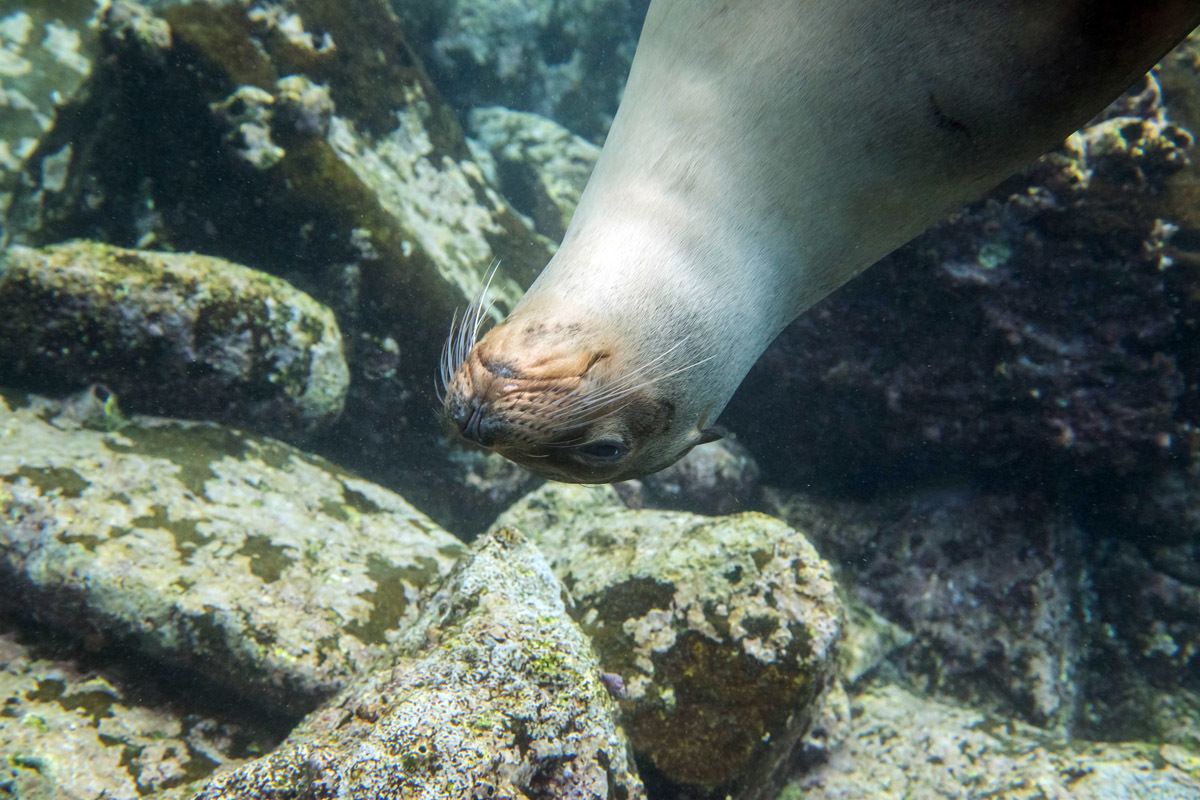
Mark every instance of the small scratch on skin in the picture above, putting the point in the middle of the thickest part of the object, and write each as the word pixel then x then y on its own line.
pixel 947 122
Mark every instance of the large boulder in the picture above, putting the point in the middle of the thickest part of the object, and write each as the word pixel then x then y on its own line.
pixel 724 631
pixel 265 571
pixel 496 695
pixel 180 335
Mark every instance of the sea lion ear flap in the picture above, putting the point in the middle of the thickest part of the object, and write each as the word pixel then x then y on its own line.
pixel 711 434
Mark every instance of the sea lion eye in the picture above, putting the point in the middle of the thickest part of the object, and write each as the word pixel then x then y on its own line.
pixel 603 451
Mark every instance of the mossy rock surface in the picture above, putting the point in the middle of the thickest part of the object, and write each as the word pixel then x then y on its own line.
pixel 72 731
pixel 177 334
pixel 268 572
pixel 903 746
pixel 495 693
pixel 724 630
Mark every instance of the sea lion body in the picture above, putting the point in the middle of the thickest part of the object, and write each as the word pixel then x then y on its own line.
pixel 765 152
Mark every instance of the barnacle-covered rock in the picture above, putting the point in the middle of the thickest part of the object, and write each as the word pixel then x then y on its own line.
pixel 563 59
pixel 175 334
pixel 724 630
pixel 540 166
pixel 903 746
pixel 268 571
pixel 497 695
pixel 990 587
pixel 71 731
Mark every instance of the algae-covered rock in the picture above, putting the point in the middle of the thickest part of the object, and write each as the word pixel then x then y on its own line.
pixel 724 631
pixel 174 334
pixel 304 139
pixel 989 586
pixel 903 746
pixel 719 478
pixel 541 167
pixel 1144 654
pixel 268 571
pixel 566 60
pixel 46 55
pixel 498 695
pixel 69 731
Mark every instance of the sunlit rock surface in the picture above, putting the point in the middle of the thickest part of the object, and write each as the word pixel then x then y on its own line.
pixel 566 60
pixel 723 630
pixel 497 695
pixel 540 166
pixel 182 335
pixel 902 746
pixel 267 571
pixel 71 730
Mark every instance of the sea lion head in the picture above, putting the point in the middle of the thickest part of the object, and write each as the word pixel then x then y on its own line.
pixel 567 401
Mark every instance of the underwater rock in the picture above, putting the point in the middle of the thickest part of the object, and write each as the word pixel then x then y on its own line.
pixel 267 571
pixel 566 60
pixel 1144 657
pixel 1059 296
pixel 497 695
pixel 46 55
pixel 69 731
pixel 541 167
pixel 724 631
pixel 902 746
pixel 304 139
pixel 175 334
pixel 988 585
pixel 719 478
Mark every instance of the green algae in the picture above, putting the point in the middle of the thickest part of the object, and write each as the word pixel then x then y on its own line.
pixel 267 560
pixel 184 531
pixel 390 598
pixel 191 448
pixel 66 481
pixel 359 501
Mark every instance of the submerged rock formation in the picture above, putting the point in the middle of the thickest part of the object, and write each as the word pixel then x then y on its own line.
pixel 182 335
pixel 724 631
pixel 498 695
pixel 267 571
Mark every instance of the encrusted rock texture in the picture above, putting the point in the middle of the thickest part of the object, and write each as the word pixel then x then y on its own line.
pixel 280 137
pixel 990 586
pixel 498 695
pixel 902 746
pixel 71 731
pixel 724 631
pixel 1067 294
pixel 541 167
pixel 46 55
pixel 180 334
pixel 566 60
pixel 266 571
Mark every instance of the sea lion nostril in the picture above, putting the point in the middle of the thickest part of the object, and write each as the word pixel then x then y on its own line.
pixel 472 429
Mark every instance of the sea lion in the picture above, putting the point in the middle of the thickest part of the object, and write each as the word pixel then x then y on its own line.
pixel 765 152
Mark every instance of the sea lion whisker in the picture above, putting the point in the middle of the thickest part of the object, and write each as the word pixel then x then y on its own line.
pixel 567 443
pixel 480 312
pixel 625 386
pixel 577 420
pixel 448 366
pixel 609 392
